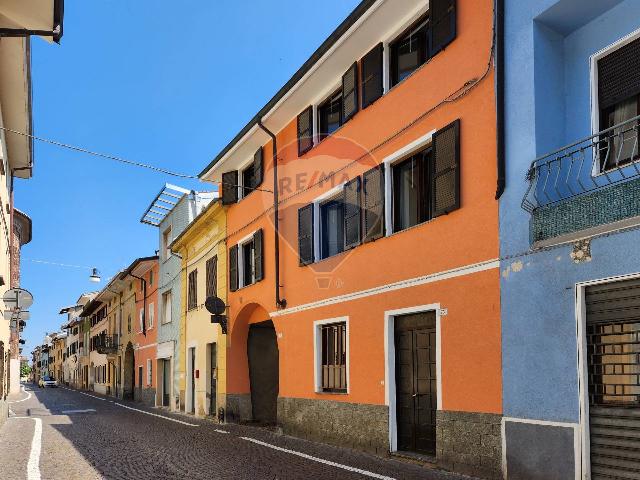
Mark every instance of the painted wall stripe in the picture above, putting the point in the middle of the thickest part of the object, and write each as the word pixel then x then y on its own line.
pixel 412 282
pixel 320 460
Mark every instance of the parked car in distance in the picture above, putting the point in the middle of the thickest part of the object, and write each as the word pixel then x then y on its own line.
pixel 47 381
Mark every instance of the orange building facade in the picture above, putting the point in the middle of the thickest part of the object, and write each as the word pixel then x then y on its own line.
pixel 140 352
pixel 364 304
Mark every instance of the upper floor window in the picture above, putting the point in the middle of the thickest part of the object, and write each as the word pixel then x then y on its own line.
pixel 246 262
pixel 412 191
pixel 330 115
pixel 237 184
pixel 212 277
pixel 619 103
pixel 166 302
pixel 409 51
pixel 331 227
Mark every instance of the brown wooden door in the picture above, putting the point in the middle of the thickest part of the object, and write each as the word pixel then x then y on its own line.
pixel 416 382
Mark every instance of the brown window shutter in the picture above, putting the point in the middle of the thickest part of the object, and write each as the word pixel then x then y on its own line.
pixel 372 88
pixel 352 209
pixel 442 15
pixel 446 169
pixel 619 75
pixel 305 131
pixel 305 234
pixel 373 200
pixel 212 274
pixel 258 257
pixel 233 268
pixel 350 92
pixel 230 187
pixel 258 168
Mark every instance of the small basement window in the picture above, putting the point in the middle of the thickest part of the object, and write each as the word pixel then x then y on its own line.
pixel 333 338
pixel 331 227
pixel 330 115
pixel 411 191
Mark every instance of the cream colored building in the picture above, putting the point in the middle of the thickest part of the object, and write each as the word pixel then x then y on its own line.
pixel 203 251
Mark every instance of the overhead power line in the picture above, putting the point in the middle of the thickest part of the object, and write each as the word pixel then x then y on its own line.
pixel 123 160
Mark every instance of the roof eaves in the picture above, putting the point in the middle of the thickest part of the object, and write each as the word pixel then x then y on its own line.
pixel 348 22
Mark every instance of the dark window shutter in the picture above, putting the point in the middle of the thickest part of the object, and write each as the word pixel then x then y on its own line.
pixel 372 75
pixel 258 257
pixel 350 92
pixel 212 277
pixel 305 131
pixel 446 169
pixel 258 168
pixel 373 191
pixel 352 209
pixel 233 268
pixel 305 234
pixel 230 187
pixel 619 75
pixel 442 15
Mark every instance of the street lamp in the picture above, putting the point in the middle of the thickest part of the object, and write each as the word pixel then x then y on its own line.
pixel 95 276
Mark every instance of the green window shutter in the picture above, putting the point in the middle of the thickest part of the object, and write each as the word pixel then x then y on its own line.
pixel 446 169
pixel 230 187
pixel 233 268
pixel 371 64
pixel 305 234
pixel 305 131
pixel 373 203
pixel 352 210
pixel 258 168
pixel 350 92
pixel 442 14
pixel 258 257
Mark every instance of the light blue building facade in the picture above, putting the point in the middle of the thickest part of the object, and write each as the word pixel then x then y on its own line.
pixel 173 209
pixel 570 244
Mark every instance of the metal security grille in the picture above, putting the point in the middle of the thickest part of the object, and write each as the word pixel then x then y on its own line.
pixel 613 357
pixel 334 357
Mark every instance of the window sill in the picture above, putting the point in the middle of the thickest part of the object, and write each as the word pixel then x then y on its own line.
pixel 323 392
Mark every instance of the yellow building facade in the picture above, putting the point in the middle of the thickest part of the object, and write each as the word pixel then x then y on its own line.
pixel 204 264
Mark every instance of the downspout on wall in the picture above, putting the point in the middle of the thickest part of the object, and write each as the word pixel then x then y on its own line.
pixel 280 302
pixel 499 67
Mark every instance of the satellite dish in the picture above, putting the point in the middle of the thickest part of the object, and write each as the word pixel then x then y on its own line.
pixel 215 305
pixel 17 298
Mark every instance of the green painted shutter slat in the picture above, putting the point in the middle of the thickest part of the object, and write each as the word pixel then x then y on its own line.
pixel 350 92
pixel 372 87
pixel 446 169
pixel 305 131
pixel 258 168
pixel 230 187
pixel 233 268
pixel 258 257
pixel 442 14
pixel 305 234
pixel 373 203
pixel 352 213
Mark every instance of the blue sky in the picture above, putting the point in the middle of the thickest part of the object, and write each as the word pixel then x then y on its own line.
pixel 161 82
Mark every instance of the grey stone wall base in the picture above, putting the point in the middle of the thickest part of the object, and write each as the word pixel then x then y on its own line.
pixel 147 396
pixel 353 425
pixel 238 408
pixel 469 443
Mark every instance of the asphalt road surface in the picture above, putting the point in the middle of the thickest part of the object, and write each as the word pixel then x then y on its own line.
pixel 66 434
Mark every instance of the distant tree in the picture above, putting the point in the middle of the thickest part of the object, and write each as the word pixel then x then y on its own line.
pixel 25 370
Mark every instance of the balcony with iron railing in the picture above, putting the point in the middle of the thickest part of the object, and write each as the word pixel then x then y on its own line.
pixel 588 187
pixel 106 344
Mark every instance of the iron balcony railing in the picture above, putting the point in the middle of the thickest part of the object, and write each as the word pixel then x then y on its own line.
pixel 606 158
pixel 106 343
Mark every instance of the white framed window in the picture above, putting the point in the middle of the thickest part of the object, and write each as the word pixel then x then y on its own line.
pixel 166 241
pixel 151 315
pixel 166 302
pixel 149 372
pixel 141 314
pixel 246 262
pixel 331 355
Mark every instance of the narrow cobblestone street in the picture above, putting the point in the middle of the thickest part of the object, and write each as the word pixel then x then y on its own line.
pixel 62 433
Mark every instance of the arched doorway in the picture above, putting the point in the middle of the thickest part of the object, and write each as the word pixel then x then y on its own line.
pixel 129 373
pixel 263 356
